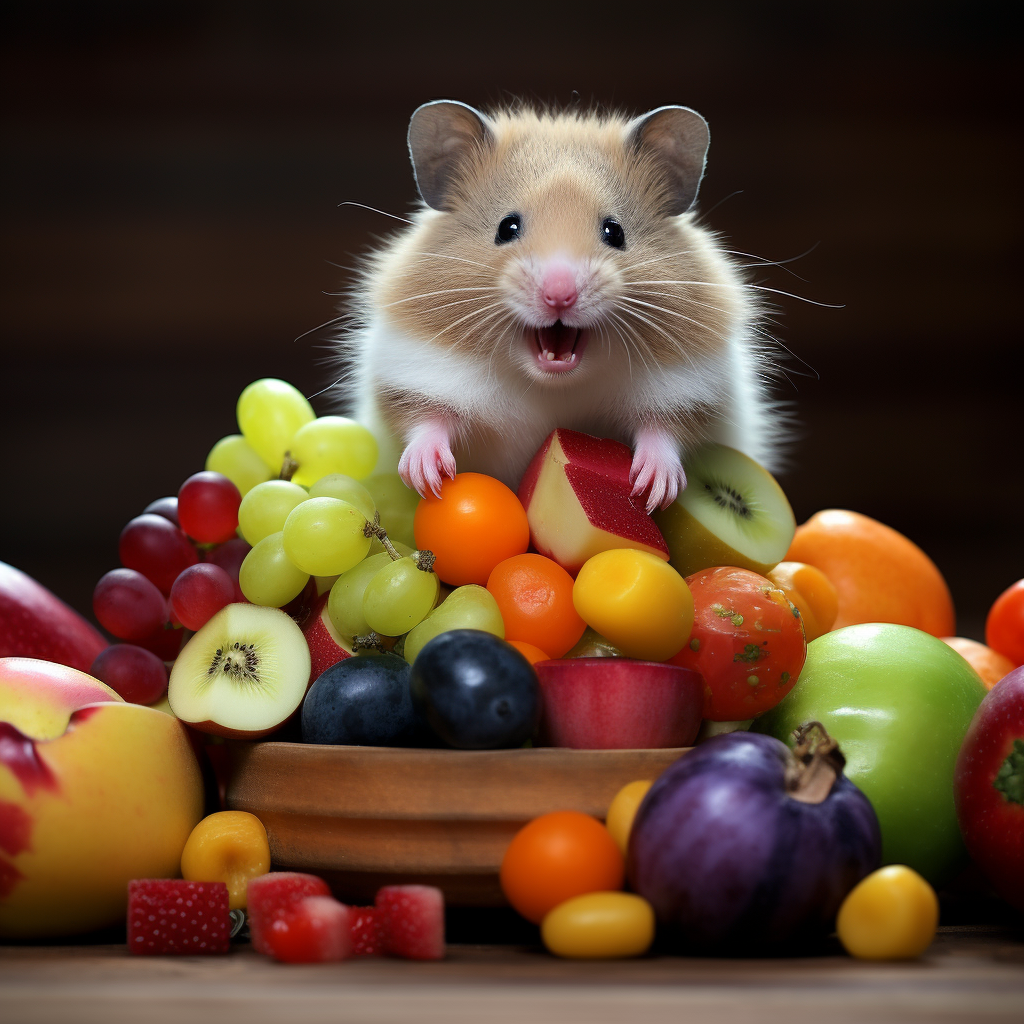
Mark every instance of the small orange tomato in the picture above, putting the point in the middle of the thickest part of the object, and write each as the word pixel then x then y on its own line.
pixel 475 524
pixel 811 591
pixel 1004 624
pixel 534 594
pixel 558 856
pixel 529 652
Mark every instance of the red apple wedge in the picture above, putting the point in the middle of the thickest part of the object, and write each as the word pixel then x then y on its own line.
pixel 34 623
pixel 576 493
pixel 326 645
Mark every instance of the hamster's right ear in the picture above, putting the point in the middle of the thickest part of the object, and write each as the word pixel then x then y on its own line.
pixel 441 133
pixel 678 139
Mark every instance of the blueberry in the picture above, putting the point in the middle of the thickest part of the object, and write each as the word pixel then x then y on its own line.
pixel 476 691
pixel 362 700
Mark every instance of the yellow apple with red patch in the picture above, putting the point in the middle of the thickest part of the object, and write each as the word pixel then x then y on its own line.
pixel 94 792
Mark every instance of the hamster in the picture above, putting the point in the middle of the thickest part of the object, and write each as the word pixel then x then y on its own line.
pixel 555 276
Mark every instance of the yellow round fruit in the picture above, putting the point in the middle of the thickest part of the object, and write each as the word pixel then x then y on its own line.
pixel 891 915
pixel 229 847
pixel 622 811
pixel 637 601
pixel 599 926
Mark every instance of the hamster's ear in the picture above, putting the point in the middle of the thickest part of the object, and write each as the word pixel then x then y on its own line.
pixel 441 133
pixel 677 137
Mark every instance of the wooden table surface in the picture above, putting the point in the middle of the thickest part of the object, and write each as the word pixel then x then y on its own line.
pixel 969 974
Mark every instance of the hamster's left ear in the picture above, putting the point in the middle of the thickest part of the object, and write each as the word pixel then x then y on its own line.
pixel 677 137
pixel 441 135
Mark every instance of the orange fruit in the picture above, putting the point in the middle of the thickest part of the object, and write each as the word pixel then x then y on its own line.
pixel 534 596
pixel 475 524
pixel 880 575
pixel 529 652
pixel 989 664
pixel 812 592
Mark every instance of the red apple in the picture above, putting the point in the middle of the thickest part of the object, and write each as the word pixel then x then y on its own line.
pixel 989 787
pixel 326 645
pixel 576 493
pixel 619 703
pixel 36 624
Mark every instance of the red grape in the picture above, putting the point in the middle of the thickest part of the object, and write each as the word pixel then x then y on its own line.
pixel 166 507
pixel 208 507
pixel 199 593
pixel 229 556
pixel 136 674
pixel 154 546
pixel 128 605
pixel 165 642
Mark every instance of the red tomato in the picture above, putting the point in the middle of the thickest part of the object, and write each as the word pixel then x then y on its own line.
pixel 1004 627
pixel 558 856
pixel 747 642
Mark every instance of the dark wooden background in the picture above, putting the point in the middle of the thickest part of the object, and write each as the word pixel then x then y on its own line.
pixel 171 185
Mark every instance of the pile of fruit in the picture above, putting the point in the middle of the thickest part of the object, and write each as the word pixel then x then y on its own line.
pixel 288 590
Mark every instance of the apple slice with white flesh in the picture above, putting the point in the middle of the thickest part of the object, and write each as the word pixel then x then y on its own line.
pixel 733 512
pixel 243 675
pixel 326 645
pixel 576 492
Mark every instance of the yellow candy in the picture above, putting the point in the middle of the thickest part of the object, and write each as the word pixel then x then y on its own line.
pixel 622 811
pixel 891 915
pixel 229 847
pixel 599 926
pixel 637 601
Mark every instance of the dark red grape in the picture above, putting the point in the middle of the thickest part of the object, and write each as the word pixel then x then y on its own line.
pixel 199 593
pixel 154 546
pixel 165 642
pixel 208 507
pixel 136 674
pixel 128 605
pixel 229 556
pixel 166 507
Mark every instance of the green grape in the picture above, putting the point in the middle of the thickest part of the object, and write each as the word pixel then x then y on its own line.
pixel 324 536
pixel 233 457
pixel 399 596
pixel 270 412
pixel 266 507
pixel 267 575
pixel 337 485
pixel 333 444
pixel 468 607
pixel 345 605
pixel 396 504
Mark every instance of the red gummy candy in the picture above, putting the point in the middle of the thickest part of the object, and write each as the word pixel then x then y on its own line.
pixel 269 895
pixel 168 915
pixel 411 921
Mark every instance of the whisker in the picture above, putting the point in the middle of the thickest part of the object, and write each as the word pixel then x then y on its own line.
pixel 459 259
pixel 758 287
pixel 326 323
pixel 462 319
pixel 373 209
pixel 443 291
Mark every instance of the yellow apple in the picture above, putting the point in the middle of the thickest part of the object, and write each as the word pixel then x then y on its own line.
pixel 93 793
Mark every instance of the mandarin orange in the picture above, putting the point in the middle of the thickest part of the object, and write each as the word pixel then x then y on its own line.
pixel 879 574
pixel 989 664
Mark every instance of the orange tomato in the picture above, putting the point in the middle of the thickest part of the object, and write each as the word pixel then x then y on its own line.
pixel 475 524
pixel 558 856
pixel 812 592
pixel 880 575
pixel 529 652
pixel 989 664
pixel 1004 624
pixel 534 595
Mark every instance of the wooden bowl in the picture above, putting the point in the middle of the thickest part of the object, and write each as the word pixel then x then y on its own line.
pixel 362 817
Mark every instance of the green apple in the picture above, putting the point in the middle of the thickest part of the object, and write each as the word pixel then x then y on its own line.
pixel 899 702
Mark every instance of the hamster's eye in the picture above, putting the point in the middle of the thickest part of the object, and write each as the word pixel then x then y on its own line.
pixel 510 228
pixel 612 233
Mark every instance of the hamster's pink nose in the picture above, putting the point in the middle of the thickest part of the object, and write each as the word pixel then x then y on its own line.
pixel 558 287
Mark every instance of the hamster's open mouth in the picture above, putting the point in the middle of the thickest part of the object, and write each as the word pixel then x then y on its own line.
pixel 559 347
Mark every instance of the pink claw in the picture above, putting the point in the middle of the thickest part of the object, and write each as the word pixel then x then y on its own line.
pixel 657 470
pixel 427 456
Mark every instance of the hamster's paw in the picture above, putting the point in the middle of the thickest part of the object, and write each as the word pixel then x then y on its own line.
pixel 657 470
pixel 427 456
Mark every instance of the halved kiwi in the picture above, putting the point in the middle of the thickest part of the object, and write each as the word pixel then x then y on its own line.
pixel 243 674
pixel 732 512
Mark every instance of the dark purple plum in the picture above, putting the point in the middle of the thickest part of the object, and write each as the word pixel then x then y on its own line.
pixel 475 691
pixel 736 855
pixel 362 701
